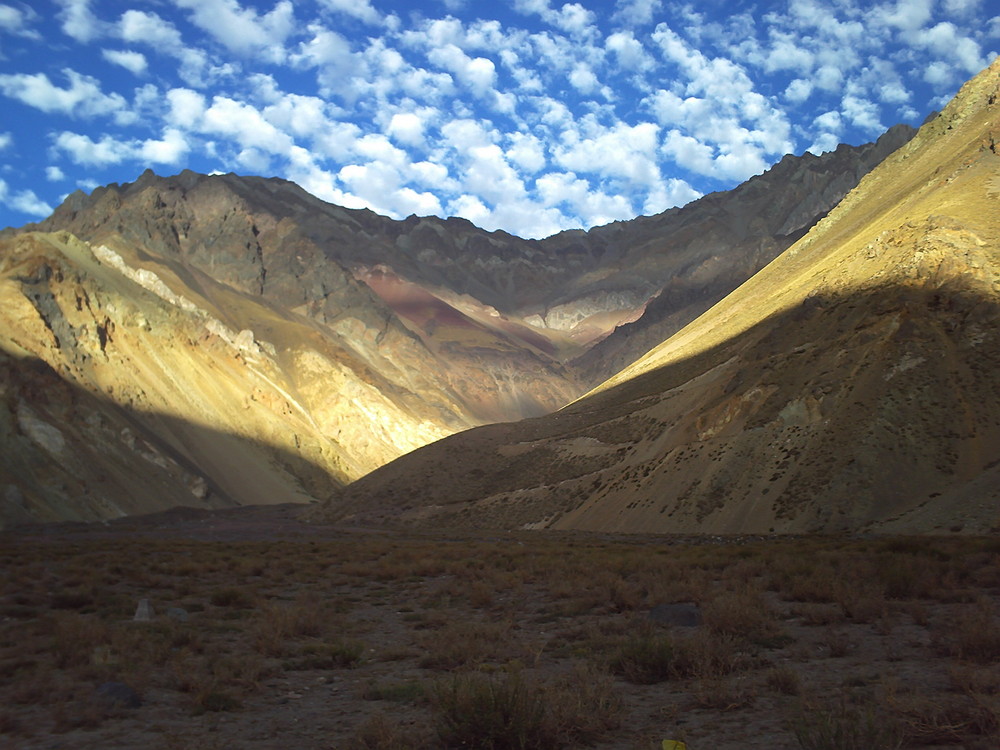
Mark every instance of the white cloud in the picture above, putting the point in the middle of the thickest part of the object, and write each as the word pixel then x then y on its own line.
pixel 186 107
pixel 471 208
pixel 54 174
pixel 360 9
pixel 939 73
pixel 893 93
pixel 594 207
pixel 629 52
pixel 242 30
pixel 151 29
pixel 636 12
pixel 245 125
pixel 632 152
pixel 526 151
pixel 132 61
pixel 862 113
pixel 479 74
pixel 15 21
pixel 24 201
pixel 690 153
pixel 85 151
pixel 787 54
pixel 672 192
pixel 583 79
pixel 572 18
pixel 944 40
pixel 6 139
pixel 407 128
pixel 78 21
pixel 798 91
pixel 83 97
pixel 171 149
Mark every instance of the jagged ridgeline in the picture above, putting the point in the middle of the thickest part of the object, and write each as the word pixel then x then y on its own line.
pixel 222 340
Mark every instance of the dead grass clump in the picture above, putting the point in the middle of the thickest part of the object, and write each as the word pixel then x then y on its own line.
pixel 232 597
pixel 408 691
pixel 845 727
pixel 509 711
pixel 651 657
pixel 973 635
pixel 944 720
pixel 379 732
pixel 467 644
pixel 743 614
pixel 340 654
pixel 723 694
pixel 492 712
pixel 784 680
pixel 838 642
pixel 278 623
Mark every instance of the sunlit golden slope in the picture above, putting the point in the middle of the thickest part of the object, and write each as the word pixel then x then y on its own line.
pixel 851 384
pixel 123 395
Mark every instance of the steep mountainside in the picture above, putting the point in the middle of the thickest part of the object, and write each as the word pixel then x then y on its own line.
pixel 851 384
pixel 123 396
pixel 246 342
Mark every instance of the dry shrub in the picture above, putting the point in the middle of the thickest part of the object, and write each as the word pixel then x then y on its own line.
pixel 510 711
pixel 973 635
pixel 723 694
pixel 839 643
pixel 277 623
pixel 845 727
pixel 863 602
pixel 379 732
pixel 467 644
pixel 942 719
pixel 975 680
pixel 338 654
pixel 651 657
pixel 233 597
pixel 784 680
pixel 742 614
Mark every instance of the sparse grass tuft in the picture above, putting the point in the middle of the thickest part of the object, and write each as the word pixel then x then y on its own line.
pixel 846 727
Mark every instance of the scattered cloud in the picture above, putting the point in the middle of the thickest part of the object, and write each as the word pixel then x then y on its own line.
pixel 24 201
pixel 79 21
pixel 242 30
pixel 83 97
pixel 132 61
pixel 559 114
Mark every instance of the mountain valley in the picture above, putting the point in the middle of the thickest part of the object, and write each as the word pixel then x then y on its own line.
pixel 774 358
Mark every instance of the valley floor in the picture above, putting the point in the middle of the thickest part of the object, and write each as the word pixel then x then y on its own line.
pixel 269 632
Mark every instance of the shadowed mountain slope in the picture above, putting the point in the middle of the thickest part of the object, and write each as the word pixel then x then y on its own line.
pixel 851 384
pixel 316 343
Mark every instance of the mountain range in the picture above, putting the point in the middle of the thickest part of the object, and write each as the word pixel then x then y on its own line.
pixel 812 351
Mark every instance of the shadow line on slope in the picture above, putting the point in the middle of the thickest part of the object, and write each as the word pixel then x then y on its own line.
pixel 71 454
pixel 518 474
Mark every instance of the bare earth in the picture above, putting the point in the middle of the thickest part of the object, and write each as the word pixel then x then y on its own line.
pixel 296 635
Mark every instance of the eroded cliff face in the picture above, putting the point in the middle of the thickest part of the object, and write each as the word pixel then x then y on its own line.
pixel 850 385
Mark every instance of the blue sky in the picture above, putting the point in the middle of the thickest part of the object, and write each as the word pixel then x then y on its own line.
pixel 530 116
